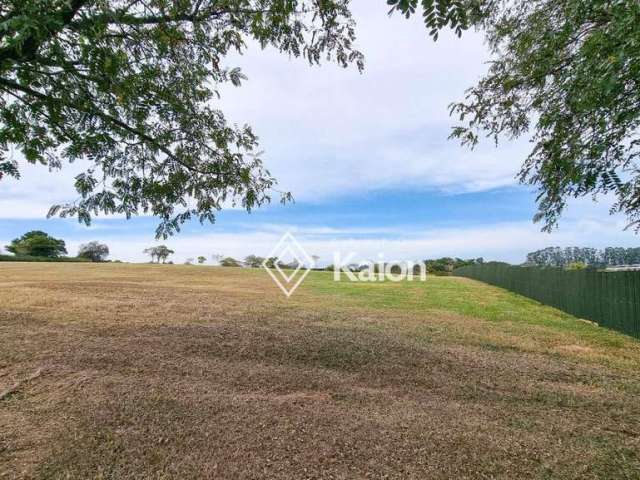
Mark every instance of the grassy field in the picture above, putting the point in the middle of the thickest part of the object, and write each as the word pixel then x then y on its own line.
pixel 152 371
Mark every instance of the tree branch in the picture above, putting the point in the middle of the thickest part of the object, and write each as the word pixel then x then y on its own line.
pixel 31 44
pixel 128 19
pixel 105 116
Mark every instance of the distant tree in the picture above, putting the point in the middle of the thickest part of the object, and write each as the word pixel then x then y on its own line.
pixel 164 252
pixel 562 257
pixel 293 265
pixel 38 244
pixel 230 262
pixel 547 257
pixel 217 258
pixel 189 261
pixel 151 251
pixel 621 256
pixel 202 259
pixel 439 266
pixel 95 251
pixel 161 253
pixel 270 262
pixel 253 261
pixel 446 265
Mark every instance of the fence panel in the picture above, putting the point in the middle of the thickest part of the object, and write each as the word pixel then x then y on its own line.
pixel 612 299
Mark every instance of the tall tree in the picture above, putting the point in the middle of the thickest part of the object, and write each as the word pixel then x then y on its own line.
pixel 131 86
pixel 94 251
pixel 161 253
pixel 253 261
pixel 565 73
pixel 151 251
pixel 37 244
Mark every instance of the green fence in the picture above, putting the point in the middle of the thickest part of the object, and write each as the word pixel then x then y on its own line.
pixel 612 299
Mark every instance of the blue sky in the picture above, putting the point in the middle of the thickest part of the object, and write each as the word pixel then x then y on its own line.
pixel 365 155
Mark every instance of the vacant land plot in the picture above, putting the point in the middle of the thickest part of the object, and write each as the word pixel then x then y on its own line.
pixel 131 371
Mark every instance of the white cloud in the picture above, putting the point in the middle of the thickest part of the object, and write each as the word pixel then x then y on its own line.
pixel 32 195
pixel 508 241
pixel 328 130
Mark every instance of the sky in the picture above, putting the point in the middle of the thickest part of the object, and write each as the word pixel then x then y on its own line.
pixel 366 157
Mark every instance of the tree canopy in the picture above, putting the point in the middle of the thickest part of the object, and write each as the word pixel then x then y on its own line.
pixel 37 244
pixel 94 251
pixel 131 86
pixel 160 252
pixel 566 74
pixel 253 261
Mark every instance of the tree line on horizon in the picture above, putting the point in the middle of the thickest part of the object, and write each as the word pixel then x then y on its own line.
pixel 583 256
pixel 37 244
pixel 438 266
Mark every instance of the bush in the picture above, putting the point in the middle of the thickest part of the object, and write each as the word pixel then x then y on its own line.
pixel 230 262
pixel 576 266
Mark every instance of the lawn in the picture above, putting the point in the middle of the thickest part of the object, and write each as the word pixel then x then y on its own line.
pixel 161 371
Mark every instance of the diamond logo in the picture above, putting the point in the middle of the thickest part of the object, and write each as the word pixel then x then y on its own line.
pixel 288 254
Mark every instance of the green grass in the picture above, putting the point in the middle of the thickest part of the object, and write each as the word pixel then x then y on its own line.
pixel 510 312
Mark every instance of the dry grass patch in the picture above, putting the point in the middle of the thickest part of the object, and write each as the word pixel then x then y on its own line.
pixel 189 372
